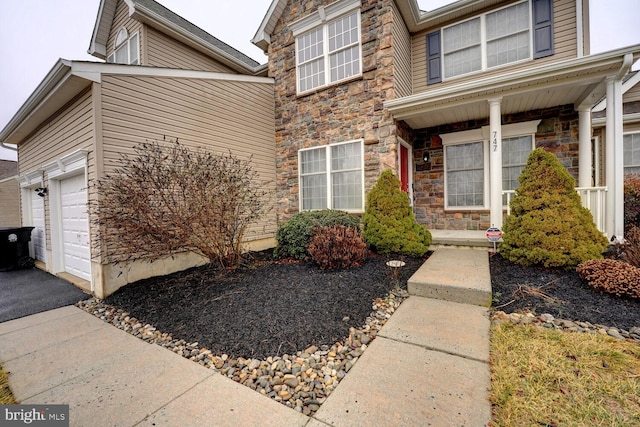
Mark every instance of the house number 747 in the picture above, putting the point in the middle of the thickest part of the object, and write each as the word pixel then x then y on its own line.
pixel 495 140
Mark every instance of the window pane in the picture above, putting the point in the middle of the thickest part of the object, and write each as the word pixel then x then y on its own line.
pixel 341 32
pixel 122 54
pixel 314 192
pixel 310 46
pixel 311 75
pixel 313 161
pixel 345 63
pixel 461 36
pixel 508 35
pixel 631 153
pixel 465 174
pixel 345 156
pixel 346 176
pixel 133 50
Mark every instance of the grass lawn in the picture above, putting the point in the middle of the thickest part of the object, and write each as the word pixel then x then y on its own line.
pixel 6 397
pixel 541 377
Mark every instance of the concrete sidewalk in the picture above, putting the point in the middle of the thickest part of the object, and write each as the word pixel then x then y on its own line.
pixel 428 366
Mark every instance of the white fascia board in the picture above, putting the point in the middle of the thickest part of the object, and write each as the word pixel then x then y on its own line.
pixel 98 48
pixel 262 36
pixel 60 72
pixel 95 70
pixel 528 76
pixel 140 13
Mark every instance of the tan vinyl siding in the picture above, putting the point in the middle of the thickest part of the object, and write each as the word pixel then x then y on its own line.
pixel 9 202
pixel 401 55
pixel 632 94
pixel 164 51
pixel 216 115
pixel 565 47
pixel 121 19
pixel 69 130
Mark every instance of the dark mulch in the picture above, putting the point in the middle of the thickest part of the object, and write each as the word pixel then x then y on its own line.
pixel 560 293
pixel 264 308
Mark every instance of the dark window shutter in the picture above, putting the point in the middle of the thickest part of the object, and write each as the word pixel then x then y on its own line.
pixel 434 63
pixel 542 28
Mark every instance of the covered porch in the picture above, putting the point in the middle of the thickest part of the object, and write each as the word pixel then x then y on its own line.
pixel 580 83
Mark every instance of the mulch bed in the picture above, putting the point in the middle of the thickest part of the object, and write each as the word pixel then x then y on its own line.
pixel 265 307
pixel 558 292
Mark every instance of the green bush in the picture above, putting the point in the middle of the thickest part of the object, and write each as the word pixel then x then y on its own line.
pixel 295 235
pixel 548 225
pixel 338 247
pixel 389 224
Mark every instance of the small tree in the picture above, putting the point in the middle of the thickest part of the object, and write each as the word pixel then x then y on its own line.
pixel 168 198
pixel 548 224
pixel 388 220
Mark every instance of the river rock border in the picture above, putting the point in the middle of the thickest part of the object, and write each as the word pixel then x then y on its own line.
pixel 302 381
pixel 550 322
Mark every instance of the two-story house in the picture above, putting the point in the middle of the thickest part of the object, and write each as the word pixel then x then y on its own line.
pixel 452 99
pixel 159 77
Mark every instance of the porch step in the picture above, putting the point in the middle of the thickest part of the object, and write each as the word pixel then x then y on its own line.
pixel 465 238
pixel 456 275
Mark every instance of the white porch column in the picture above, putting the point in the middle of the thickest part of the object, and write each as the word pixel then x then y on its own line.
pixel 585 163
pixel 495 162
pixel 615 162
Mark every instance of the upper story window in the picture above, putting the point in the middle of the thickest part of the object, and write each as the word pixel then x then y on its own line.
pixel 328 46
pixel 631 150
pixel 125 49
pixel 515 33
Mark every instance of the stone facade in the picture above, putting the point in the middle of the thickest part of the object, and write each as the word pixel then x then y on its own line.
pixel 346 111
pixel 557 133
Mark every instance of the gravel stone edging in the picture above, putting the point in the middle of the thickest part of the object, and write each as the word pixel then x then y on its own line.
pixel 548 321
pixel 302 381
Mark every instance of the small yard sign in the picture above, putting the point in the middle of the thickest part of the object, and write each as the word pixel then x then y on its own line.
pixel 493 234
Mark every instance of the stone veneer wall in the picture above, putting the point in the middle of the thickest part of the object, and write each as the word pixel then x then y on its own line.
pixel 346 111
pixel 557 133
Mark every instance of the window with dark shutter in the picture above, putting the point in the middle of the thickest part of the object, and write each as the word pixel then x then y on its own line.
pixel 542 28
pixel 434 66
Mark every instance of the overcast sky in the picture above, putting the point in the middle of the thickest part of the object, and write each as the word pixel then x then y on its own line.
pixel 35 33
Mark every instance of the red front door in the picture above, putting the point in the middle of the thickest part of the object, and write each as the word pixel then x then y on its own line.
pixel 404 168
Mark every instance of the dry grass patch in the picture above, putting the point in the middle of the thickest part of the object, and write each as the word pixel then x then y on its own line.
pixel 550 378
pixel 6 396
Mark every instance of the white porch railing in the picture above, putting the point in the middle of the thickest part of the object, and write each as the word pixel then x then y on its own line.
pixel 593 198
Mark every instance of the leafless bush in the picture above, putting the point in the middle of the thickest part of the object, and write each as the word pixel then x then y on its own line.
pixel 168 198
pixel 611 276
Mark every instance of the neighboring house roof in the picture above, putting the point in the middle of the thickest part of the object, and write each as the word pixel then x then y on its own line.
pixel 414 18
pixel 67 79
pixel 154 14
pixel 629 81
pixel 8 168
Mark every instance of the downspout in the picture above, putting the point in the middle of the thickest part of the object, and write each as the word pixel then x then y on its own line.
pixel 579 28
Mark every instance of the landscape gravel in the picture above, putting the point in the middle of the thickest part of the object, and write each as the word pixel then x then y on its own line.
pixel 301 381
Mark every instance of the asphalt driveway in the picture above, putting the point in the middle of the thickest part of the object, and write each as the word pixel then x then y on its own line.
pixel 31 291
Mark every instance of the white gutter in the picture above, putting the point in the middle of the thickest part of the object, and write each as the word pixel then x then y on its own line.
pixel 579 33
pixel 3 145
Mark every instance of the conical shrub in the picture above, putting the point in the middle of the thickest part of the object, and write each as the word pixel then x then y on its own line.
pixel 389 225
pixel 548 225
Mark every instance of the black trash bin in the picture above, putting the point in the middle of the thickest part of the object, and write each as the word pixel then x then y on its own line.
pixel 14 248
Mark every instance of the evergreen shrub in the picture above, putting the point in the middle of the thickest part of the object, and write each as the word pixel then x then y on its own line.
pixel 548 225
pixel 389 225
pixel 294 235
pixel 338 246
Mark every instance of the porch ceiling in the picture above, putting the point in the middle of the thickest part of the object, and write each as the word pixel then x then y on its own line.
pixel 579 81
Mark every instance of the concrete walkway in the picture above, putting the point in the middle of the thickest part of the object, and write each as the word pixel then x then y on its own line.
pixel 428 366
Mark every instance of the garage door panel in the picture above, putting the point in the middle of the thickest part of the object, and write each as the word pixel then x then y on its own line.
pixel 75 227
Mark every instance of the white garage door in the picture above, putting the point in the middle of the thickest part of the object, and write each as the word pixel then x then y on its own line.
pixel 75 227
pixel 37 220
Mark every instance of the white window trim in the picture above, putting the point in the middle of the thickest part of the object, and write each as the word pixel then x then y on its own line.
pixel 328 174
pixel 409 167
pixel 112 57
pixel 623 135
pixel 482 135
pixel 483 43
pixel 323 17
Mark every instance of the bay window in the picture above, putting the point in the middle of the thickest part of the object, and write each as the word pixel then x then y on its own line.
pixel 332 177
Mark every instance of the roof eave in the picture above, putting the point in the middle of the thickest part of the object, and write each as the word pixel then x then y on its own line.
pixel 414 103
